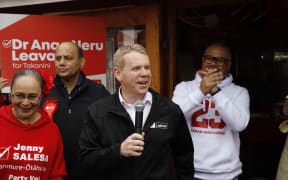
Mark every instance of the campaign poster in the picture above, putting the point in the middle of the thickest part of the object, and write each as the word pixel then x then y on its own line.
pixel 30 41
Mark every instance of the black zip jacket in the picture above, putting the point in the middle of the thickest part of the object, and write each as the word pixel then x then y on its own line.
pixel 69 118
pixel 108 124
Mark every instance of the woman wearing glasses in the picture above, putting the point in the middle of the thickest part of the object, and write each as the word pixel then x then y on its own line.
pixel 30 143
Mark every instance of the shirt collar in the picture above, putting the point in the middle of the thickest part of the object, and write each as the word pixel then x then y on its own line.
pixel 81 76
pixel 79 81
pixel 147 98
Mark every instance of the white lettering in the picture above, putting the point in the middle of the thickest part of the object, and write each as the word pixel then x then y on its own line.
pixel 35 45
pixel 50 56
pixel 99 48
pixel 36 66
pixel 18 44
pixel 16 66
pixel 32 56
pixel 34 178
pixel 89 46
pixel 30 157
pixel 92 44
pixel 23 56
pixel 17 177
pixel 17 147
pixel 16 156
pixel 54 45
pixel 38 149
pixel 42 56
pixel 45 45
pixel 29 167
pixel 85 46
pixel 14 58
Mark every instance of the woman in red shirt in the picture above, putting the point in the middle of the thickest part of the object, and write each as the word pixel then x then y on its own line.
pixel 30 143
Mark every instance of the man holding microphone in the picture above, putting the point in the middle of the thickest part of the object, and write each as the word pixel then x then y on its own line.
pixel 109 144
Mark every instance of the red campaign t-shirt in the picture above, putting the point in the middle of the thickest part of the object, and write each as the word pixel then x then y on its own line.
pixel 32 152
pixel 2 100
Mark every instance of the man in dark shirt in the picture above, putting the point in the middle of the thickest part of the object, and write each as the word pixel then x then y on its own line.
pixel 73 93
pixel 108 142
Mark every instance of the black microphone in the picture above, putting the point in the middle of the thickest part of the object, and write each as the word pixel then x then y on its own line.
pixel 139 107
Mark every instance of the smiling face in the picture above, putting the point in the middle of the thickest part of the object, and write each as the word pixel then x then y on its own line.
pixel 26 96
pixel 134 76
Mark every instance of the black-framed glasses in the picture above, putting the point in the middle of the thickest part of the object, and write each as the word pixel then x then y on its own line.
pixel 22 97
pixel 209 59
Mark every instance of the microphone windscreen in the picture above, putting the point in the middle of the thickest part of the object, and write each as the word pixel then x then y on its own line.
pixel 139 106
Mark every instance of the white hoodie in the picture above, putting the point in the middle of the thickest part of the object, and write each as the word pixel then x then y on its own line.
pixel 217 122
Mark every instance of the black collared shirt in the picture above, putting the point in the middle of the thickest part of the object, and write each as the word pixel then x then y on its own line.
pixel 74 90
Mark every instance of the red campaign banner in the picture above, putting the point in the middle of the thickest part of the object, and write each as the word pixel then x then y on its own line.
pixel 30 41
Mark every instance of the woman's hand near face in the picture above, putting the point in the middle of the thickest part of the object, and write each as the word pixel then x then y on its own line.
pixel 3 82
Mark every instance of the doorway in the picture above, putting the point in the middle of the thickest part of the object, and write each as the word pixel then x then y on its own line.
pixel 257 36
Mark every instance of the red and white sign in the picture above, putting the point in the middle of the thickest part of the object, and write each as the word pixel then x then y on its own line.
pixel 29 42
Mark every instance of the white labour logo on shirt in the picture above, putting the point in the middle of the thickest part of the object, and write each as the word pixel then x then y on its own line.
pixel 199 119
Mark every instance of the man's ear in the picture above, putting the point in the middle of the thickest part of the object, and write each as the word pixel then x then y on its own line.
pixel 117 73
pixel 202 59
pixel 82 62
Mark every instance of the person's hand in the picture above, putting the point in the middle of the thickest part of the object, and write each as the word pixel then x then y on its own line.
pixel 3 82
pixel 133 145
pixel 210 79
pixel 285 107
pixel 284 126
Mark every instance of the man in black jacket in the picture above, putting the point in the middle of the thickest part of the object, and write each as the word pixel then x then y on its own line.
pixel 108 142
pixel 73 93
